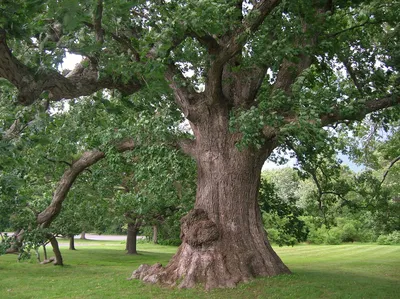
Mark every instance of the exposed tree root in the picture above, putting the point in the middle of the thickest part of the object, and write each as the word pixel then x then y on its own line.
pixel 48 261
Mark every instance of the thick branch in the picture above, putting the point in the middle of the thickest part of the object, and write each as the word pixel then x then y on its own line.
pixel 232 44
pixel 262 9
pixel 338 116
pixel 208 41
pixel 185 95
pixel 369 107
pixel 87 159
pixel 82 81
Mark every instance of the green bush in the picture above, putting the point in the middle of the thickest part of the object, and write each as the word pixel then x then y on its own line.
pixel 390 239
pixel 333 236
pixel 368 235
pixel 349 233
pixel 273 235
pixel 324 235
pixel 170 242
pixel 317 235
pixel 382 240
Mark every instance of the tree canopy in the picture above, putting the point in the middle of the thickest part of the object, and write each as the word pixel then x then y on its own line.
pixel 249 77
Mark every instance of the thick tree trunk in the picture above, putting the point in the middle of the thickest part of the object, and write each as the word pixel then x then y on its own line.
pixel 131 238
pixel 155 234
pixel 71 242
pixel 223 239
pixel 83 235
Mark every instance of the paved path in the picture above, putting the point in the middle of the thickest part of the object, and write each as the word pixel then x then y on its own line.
pixel 104 237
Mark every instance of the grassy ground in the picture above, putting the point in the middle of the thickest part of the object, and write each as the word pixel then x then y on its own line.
pixel 98 269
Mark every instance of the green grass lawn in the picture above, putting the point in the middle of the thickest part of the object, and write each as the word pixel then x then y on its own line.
pixel 98 269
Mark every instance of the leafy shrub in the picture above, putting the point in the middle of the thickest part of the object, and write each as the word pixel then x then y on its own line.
pixel 317 236
pixel 170 242
pixel 323 235
pixel 382 240
pixel 349 233
pixel 367 235
pixel 333 236
pixel 281 217
pixel 390 239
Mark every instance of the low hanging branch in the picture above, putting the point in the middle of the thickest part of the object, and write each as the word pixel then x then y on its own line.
pixel 87 159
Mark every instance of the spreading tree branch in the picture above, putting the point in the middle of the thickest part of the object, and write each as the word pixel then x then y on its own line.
pixel 45 218
pixel 343 115
pixel 31 83
pixel 368 107
pixel 185 95
pixel 231 44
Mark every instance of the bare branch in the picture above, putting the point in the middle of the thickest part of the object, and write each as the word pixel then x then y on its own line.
pixel 367 22
pixel 57 161
pixel 121 39
pixel 387 170
pixel 352 74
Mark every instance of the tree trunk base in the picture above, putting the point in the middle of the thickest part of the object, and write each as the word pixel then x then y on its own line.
pixel 211 267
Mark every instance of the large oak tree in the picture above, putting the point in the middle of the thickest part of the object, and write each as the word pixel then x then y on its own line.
pixel 249 76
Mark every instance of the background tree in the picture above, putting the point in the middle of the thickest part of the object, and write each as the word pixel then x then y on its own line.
pixel 280 211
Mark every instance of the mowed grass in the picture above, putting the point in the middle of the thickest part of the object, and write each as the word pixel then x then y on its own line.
pixel 98 269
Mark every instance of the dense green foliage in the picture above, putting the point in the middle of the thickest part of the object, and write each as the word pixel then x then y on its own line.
pixel 357 207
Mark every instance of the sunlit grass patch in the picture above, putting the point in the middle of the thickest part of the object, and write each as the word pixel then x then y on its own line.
pixel 98 269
